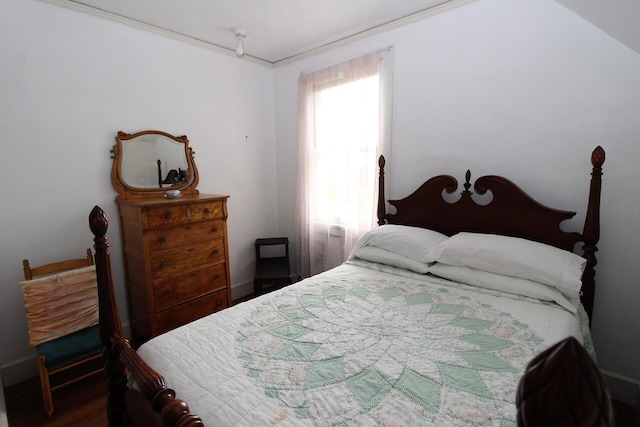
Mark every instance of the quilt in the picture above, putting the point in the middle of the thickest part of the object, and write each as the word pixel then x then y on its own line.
pixel 362 346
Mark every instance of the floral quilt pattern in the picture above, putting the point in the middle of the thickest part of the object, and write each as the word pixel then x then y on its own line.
pixel 386 352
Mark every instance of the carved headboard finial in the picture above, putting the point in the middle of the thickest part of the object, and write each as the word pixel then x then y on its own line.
pixel 467 182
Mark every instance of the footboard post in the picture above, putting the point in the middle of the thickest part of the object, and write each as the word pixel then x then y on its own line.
pixel 110 323
pixel 591 232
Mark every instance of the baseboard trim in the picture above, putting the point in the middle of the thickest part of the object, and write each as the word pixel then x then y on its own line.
pixel 623 388
pixel 241 290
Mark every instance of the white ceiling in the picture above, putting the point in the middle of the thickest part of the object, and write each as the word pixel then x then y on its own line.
pixel 618 18
pixel 276 29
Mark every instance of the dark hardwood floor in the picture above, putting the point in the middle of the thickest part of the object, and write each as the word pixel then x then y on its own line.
pixel 24 406
pixel 77 405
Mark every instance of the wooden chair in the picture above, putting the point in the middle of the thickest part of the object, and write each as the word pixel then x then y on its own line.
pixel 61 301
pixel 272 271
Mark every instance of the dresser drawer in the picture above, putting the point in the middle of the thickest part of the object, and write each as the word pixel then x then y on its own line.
pixel 207 210
pixel 167 215
pixel 187 286
pixel 186 258
pixel 172 237
pixel 190 311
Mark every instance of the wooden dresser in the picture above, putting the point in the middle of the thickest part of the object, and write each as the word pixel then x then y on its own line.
pixel 177 262
pixel 176 250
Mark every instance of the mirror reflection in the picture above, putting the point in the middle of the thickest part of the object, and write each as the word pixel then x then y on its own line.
pixel 151 163
pixel 154 161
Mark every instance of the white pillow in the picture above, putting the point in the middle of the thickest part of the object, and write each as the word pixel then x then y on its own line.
pixel 410 242
pixel 383 256
pixel 498 282
pixel 511 256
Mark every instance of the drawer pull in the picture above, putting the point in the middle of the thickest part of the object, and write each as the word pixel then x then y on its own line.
pixel 214 230
pixel 192 274
pixel 216 251
pixel 162 239
pixel 217 276
pixel 168 215
pixel 207 210
pixel 166 293
pixel 188 227
pixel 190 250
pixel 164 264
pixel 219 303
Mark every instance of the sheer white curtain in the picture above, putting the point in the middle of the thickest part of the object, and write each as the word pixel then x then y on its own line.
pixel 344 125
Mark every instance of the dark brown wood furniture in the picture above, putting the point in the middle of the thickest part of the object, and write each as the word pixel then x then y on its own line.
pixel 566 375
pixel 175 248
pixel 273 270
pixel 71 358
pixel 515 214
pixel 177 260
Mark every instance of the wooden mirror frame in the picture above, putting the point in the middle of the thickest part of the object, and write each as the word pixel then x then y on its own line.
pixel 127 191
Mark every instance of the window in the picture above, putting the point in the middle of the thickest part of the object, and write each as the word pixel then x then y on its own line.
pixel 343 125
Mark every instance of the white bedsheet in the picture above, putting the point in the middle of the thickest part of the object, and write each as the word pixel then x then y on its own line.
pixel 351 347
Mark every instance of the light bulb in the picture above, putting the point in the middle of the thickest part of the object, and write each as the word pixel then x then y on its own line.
pixel 240 34
pixel 240 47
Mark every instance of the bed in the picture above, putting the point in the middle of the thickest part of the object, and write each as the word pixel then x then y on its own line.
pixel 436 318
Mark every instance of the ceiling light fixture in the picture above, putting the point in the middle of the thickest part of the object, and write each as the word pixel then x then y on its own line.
pixel 240 34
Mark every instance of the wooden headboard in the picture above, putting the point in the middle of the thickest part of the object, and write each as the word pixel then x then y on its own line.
pixel 510 212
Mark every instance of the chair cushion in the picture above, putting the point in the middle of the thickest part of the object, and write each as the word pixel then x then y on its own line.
pixel 60 304
pixel 70 346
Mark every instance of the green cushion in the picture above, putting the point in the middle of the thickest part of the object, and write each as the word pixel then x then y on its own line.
pixel 70 346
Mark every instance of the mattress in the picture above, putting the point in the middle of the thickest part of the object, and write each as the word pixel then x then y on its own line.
pixel 362 345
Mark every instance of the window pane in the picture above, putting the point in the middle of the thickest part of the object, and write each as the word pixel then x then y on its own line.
pixel 346 135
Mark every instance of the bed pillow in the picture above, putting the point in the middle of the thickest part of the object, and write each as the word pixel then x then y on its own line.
pixel 499 282
pixel 410 242
pixel 511 256
pixel 383 256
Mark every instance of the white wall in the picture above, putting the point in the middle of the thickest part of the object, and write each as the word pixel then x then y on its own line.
pixel 69 82
pixel 524 89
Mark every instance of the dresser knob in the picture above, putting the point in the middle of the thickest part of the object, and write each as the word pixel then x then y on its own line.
pixel 190 250
pixel 207 210
pixel 214 230
pixel 168 215
pixel 217 276
pixel 162 239
pixel 219 303
pixel 192 274
pixel 166 293
pixel 164 264
pixel 216 251
pixel 188 227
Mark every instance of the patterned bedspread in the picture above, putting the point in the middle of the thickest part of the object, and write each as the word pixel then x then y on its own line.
pixel 357 347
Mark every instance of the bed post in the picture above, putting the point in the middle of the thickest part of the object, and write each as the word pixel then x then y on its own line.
pixel 121 358
pixel 110 323
pixel 591 232
pixel 381 196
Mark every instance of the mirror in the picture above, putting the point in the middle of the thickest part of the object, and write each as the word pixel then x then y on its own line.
pixel 150 163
